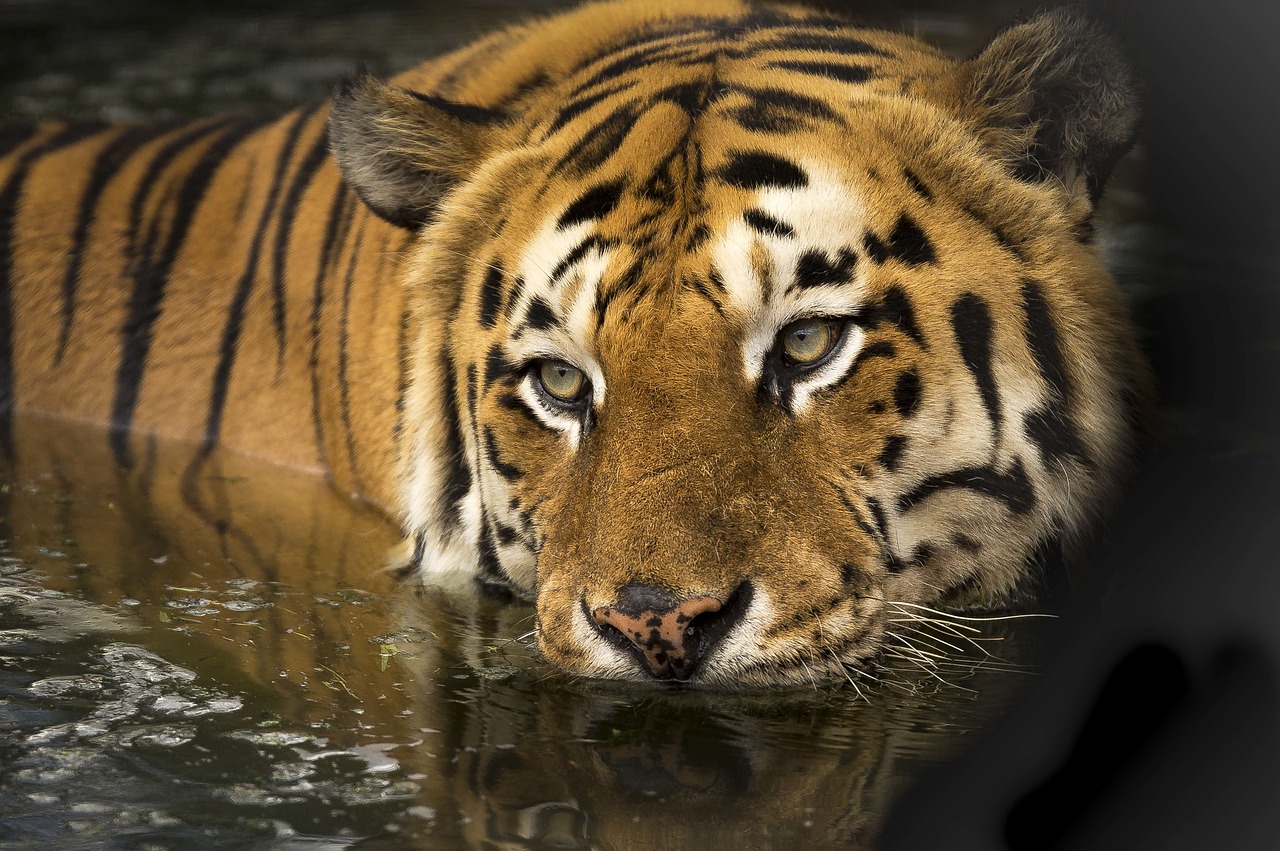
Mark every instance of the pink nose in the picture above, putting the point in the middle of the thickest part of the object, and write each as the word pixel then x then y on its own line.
pixel 668 636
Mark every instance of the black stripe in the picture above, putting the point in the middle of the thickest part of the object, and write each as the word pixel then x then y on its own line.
pixel 1012 488
pixel 877 513
pixel 402 373
pixel 13 136
pixel 906 393
pixel 630 278
pixel 10 195
pixel 506 535
pixel 786 100
pixel 852 508
pixel 908 244
pixel 513 402
pixel 229 348
pixel 999 234
pixel 878 349
pixel 821 41
pixel 762 222
pixel 344 339
pixel 604 300
pixel 962 587
pixel 756 169
pixel 415 560
pixel 152 277
pixel 468 113
pixel 491 295
pixel 496 367
pixel 657 49
pixel 490 569
pixel 579 251
pixel 147 181
pixel 302 178
pixel 457 480
pixel 917 185
pixel 815 269
pixel 334 234
pixel 834 70
pixel 659 186
pixel 690 97
pixel 250 273
pixel 235 312
pixel 805 618
pixel 574 108
pixel 471 392
pixel 502 468
pixel 540 315
pixel 699 235
pixel 971 322
pixel 512 299
pixel 1042 339
pixel 895 309
pixel 922 554
pixel 105 166
pixel 891 454
pixel 1051 426
pixel 519 91
pixel 595 203
pixel 599 142
pixel 704 289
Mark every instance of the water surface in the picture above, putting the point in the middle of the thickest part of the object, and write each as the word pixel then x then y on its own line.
pixel 199 657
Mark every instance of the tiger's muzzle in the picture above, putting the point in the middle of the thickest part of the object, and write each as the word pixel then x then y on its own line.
pixel 668 636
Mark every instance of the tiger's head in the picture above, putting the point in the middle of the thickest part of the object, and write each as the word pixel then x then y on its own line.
pixel 739 336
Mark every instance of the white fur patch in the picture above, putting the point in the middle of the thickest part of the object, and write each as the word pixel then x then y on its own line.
pixel 545 251
pixel 827 216
pixel 742 645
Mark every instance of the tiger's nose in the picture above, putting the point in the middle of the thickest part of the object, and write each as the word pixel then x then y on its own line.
pixel 667 635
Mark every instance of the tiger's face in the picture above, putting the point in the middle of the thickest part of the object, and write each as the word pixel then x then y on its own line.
pixel 744 362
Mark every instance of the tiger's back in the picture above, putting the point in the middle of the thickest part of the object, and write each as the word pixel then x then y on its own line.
pixel 195 289
pixel 217 281
pixel 734 335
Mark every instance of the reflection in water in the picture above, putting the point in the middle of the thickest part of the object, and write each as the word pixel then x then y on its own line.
pixel 192 658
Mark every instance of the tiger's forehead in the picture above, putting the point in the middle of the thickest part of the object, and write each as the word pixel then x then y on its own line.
pixel 750 234
pixel 728 162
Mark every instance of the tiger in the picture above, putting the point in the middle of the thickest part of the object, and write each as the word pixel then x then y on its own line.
pixel 729 335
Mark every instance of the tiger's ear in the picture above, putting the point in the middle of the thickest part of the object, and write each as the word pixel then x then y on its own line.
pixel 401 150
pixel 1057 98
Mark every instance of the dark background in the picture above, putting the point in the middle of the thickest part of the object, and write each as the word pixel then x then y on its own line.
pixel 1157 723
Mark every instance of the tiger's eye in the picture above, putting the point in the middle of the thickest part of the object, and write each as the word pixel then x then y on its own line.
pixel 807 341
pixel 562 381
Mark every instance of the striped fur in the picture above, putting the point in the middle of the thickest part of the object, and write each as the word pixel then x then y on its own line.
pixel 650 192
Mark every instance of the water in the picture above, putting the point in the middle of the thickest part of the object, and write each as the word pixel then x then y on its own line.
pixel 216 659
pixel 192 661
